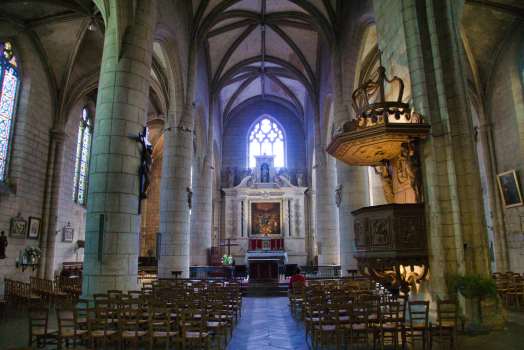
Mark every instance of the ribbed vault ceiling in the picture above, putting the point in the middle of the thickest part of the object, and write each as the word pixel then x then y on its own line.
pixel 262 49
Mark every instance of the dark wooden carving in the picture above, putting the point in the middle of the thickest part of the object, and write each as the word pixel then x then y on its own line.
pixel 388 237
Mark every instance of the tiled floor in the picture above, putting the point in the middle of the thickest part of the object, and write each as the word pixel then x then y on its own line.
pixel 266 323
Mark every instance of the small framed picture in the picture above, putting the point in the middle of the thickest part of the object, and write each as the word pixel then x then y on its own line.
pixel 509 189
pixel 17 228
pixel 33 231
pixel 68 234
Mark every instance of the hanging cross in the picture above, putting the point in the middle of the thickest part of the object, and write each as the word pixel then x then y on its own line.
pixel 228 244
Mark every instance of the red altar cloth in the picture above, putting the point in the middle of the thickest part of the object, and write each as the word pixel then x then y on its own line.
pixel 276 244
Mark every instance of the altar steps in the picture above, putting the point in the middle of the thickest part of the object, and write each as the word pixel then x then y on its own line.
pixel 265 288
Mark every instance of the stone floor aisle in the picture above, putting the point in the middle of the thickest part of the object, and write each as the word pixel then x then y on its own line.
pixel 267 323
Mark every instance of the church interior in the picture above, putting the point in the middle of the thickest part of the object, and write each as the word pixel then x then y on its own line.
pixel 170 141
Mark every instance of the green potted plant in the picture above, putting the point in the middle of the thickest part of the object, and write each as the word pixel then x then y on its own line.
pixel 227 261
pixel 476 288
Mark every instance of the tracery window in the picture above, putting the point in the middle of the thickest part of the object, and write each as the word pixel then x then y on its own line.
pixel 8 87
pixel 82 158
pixel 266 138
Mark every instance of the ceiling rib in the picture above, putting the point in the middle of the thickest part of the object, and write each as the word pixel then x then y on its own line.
pixel 241 88
pixel 232 26
pixel 231 50
pixel 494 6
pixel 289 92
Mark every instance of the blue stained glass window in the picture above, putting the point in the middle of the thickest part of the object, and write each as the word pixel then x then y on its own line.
pixel 266 138
pixel 8 86
pixel 83 147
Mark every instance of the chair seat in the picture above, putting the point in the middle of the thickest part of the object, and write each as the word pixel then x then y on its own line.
pixel 357 327
pixel 100 333
pixel 71 333
pixel 314 319
pixel 215 324
pixel 42 331
pixel 445 324
pixel 417 325
pixel 132 334
pixel 327 328
pixel 388 326
pixel 196 335
pixel 163 334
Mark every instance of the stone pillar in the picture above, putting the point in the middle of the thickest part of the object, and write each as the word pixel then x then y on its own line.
pixel 354 179
pixel 51 206
pixel 312 210
pixel 246 217
pixel 240 219
pixel 176 177
pixel 217 205
pixel 292 219
pixel 495 204
pixel 285 218
pixel 116 156
pixel 299 217
pixel 201 214
pixel 327 212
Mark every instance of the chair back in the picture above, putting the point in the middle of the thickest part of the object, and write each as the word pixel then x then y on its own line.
pixel 447 312
pixel 418 313
pixel 38 321
pixel 389 313
pixel 159 321
pixel 191 323
pixel 129 319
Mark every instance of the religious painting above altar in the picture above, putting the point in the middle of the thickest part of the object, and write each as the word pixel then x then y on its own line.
pixel 265 218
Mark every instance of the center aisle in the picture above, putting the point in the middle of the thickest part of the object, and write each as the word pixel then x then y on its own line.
pixel 267 323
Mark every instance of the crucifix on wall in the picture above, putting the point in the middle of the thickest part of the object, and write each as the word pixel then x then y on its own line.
pixel 228 244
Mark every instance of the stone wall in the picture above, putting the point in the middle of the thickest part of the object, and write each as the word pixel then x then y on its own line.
pixel 235 145
pixel 28 152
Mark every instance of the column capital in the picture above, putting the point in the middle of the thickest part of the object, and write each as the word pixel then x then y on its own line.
pixel 58 135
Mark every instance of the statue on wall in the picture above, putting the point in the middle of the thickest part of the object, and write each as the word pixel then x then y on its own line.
pixel 299 179
pixel 409 156
pixel 147 161
pixel 245 173
pixel 3 245
pixel 264 174
pixel 283 172
pixel 387 182
pixel 231 177
pixel 338 195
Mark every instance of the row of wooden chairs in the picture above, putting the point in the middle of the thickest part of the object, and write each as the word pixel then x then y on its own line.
pixel 19 295
pixel 356 317
pixel 510 286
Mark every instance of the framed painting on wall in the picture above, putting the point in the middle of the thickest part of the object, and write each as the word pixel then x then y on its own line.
pixel 509 189
pixel 265 218
pixel 68 234
pixel 33 231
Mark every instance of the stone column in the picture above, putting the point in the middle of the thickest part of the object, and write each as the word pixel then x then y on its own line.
pixel 240 219
pixel 292 220
pixel 52 202
pixel 285 218
pixel 495 204
pixel 299 217
pixel 217 204
pixel 116 156
pixel 201 215
pixel 312 210
pixel 246 217
pixel 176 177
pixel 327 212
pixel 354 179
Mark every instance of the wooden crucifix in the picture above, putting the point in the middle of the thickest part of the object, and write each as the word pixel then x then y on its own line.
pixel 228 244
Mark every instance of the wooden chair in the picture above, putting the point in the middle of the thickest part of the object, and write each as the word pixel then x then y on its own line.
pixel 389 324
pixel 417 327
pixel 38 327
pixel 99 333
pixel 313 308
pixel 129 327
pixel 68 327
pixel 82 305
pixel 446 324
pixel 192 329
pixel 161 328
pixel 517 291
pixel 358 325
pixel 328 324
pixel 216 324
pixel 296 296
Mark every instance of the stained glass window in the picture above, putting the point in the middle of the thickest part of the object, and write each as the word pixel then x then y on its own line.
pixel 8 85
pixel 83 147
pixel 266 138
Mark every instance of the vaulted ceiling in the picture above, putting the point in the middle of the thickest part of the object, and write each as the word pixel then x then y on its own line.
pixel 263 50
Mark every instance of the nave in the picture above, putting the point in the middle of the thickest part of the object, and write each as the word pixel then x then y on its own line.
pixel 268 323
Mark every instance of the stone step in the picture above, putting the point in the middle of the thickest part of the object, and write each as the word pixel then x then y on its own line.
pixel 261 288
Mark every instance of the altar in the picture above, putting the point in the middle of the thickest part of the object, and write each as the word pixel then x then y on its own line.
pixel 265 214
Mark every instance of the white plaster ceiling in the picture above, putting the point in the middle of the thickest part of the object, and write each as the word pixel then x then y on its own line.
pixel 263 49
